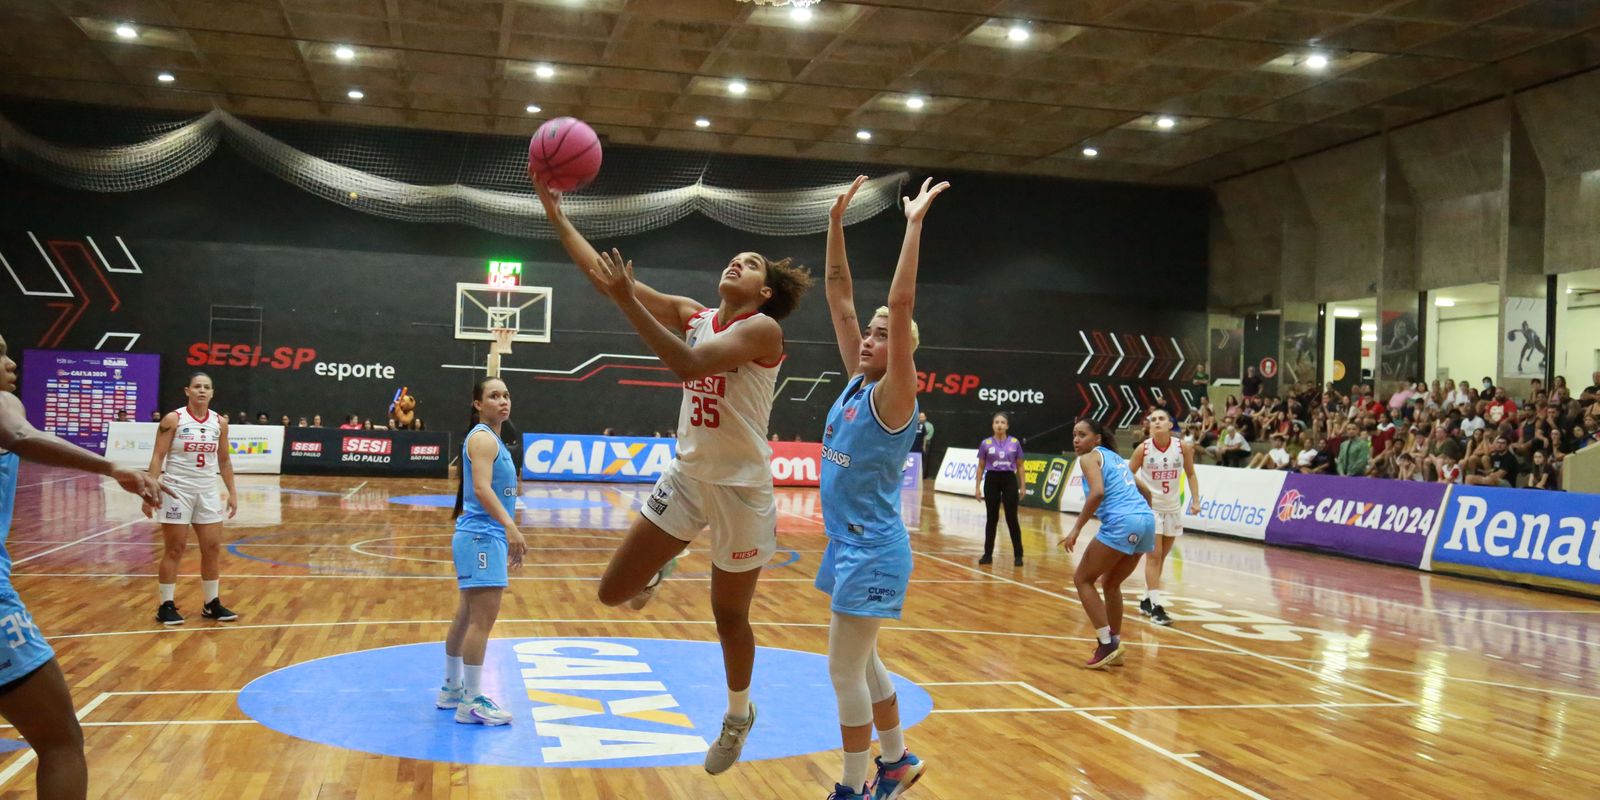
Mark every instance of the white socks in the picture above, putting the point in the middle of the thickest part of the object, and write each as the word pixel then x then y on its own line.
pixel 739 705
pixel 212 589
pixel 168 591
pixel 472 680
pixel 1154 595
pixel 893 743
pixel 1103 634
pixel 452 671
pixel 855 769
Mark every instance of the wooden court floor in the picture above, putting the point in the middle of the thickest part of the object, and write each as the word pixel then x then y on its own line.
pixel 1287 674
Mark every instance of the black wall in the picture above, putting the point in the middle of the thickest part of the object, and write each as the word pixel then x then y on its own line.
pixel 1016 274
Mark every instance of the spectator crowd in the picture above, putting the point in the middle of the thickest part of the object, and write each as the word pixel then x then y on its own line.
pixel 1443 432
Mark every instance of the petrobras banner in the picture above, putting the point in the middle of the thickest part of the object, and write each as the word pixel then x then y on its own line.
pixel 1524 535
pixel 958 474
pixel 1235 502
pixel 255 449
pixel 606 459
pixel 1044 479
pixel 1379 520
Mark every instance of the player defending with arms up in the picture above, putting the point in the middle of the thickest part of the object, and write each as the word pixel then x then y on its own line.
pixel 867 566
pixel 727 358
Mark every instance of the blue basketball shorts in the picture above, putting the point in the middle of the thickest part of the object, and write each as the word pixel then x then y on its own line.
pixel 480 560
pixel 866 581
pixel 1131 533
pixel 22 647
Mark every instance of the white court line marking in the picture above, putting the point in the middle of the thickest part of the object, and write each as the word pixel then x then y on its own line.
pixel 1572 676
pixel 28 755
pixel 1493 656
pixel 78 477
pixel 352 492
pixel 1399 603
pixel 42 554
pixel 1269 659
pixel 1220 707
pixel 1531 664
pixel 142 723
pixel 1131 736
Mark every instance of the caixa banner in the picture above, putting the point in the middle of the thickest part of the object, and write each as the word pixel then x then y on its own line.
pixel 1380 520
pixel 1539 538
pixel 606 459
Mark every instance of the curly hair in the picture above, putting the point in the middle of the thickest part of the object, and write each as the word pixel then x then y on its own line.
pixel 789 282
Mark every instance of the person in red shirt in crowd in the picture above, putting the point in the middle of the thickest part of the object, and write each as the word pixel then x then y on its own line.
pixel 1501 408
pixel 1383 435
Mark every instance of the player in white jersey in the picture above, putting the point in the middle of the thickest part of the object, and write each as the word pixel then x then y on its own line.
pixel 1164 462
pixel 727 358
pixel 191 452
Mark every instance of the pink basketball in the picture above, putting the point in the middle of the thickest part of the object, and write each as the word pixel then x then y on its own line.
pixel 566 153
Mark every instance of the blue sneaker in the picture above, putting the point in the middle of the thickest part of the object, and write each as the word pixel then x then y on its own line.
pixel 894 779
pixel 842 792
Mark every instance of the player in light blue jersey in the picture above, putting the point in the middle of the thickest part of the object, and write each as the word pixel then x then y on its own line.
pixel 867 566
pixel 486 540
pixel 33 692
pixel 1121 502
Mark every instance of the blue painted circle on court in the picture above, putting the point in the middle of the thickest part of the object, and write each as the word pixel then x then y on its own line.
pixel 530 503
pixel 578 702
pixel 8 745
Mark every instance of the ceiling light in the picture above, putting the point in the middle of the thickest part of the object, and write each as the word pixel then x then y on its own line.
pixel 1166 123
pixel 343 52
pixel 864 135
pixel 1090 152
pixel 737 87
pixel 1017 33
pixel 127 31
pixel 702 123
pixel 1369 337
pixel 1444 302
pixel 544 71
pixel 915 103
pixel 1347 313
pixel 799 14
pixel 533 109
pixel 165 77
pixel 1369 327
pixel 1317 61
pixel 355 94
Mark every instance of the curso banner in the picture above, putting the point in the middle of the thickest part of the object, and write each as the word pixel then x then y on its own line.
pixel 958 474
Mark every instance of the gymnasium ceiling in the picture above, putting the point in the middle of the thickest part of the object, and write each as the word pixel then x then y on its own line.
pixel 1232 74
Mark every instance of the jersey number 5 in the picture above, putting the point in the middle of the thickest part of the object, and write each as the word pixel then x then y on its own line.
pixel 1166 487
pixel 703 412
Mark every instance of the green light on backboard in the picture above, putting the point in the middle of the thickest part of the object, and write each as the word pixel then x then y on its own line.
pixel 505 273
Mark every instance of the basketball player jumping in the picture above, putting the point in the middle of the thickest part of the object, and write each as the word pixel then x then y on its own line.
pixel 727 358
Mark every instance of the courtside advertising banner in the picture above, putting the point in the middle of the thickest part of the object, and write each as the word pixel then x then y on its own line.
pixel 1044 479
pixel 796 463
pixel 1379 520
pixel 77 394
pixel 605 459
pixel 1549 539
pixel 1235 502
pixel 376 453
pixel 256 449
pixel 958 474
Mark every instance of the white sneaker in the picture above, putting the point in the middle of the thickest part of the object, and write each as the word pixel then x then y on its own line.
pixel 724 753
pixel 450 698
pixel 481 710
pixel 643 598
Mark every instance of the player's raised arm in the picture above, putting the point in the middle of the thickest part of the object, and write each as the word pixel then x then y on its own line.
pixel 32 444
pixel 670 310
pixel 840 288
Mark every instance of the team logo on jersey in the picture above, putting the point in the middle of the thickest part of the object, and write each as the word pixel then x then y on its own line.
pixel 1133 538
pixel 850 414
pixel 710 384
pixel 745 554
pixel 658 499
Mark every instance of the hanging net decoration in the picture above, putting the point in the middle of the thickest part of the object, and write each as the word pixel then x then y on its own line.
pixel 795 3
pixel 425 176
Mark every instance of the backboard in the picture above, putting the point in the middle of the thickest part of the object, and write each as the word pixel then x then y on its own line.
pixel 480 308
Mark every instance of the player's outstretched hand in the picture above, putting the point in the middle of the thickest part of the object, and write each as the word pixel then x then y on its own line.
pixel 917 207
pixel 139 482
pixel 842 202
pixel 613 275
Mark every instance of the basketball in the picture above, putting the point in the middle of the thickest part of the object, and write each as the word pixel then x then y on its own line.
pixel 566 152
pixel 1511 336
